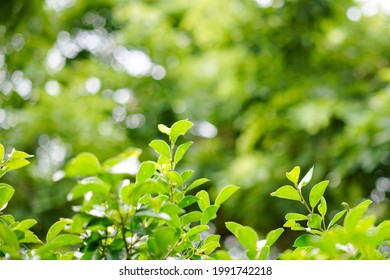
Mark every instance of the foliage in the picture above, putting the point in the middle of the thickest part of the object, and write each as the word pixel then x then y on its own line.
pixel 155 214
pixel 356 238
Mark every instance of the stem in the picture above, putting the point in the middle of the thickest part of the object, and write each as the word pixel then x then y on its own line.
pixel 303 201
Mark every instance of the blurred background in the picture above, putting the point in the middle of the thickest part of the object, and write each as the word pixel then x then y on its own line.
pixel 270 84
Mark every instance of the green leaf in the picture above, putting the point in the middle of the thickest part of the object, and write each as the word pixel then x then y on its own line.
pixel 99 223
pixel 197 183
pixel 191 217
pixel 209 214
pixel 303 241
pixel 322 207
pixel 93 185
pixel 314 221
pixel 306 179
pixel 296 217
pixel 166 238
pixel 65 240
pixel 84 164
pixel 293 175
pixel 233 227
pixel 181 150
pixel 7 237
pixel 355 214
pixel 287 192
pixel 197 229
pixel 19 155
pixel 204 200
pixel 1 153
pixel 146 171
pixel 210 247
pixel 317 192
pixel 6 193
pixel 336 218
pixel 55 229
pixel 247 236
pixel 161 147
pixel 188 200
pixel 16 163
pixel 225 193
pixel 273 235
pixel 24 225
pixel 175 178
pixel 164 129
pixel 187 174
pixel 179 128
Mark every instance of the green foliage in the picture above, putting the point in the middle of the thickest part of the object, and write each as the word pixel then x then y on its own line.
pixel 356 238
pixel 154 214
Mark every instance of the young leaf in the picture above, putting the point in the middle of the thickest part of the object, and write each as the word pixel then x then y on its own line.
pixel 306 179
pixel 303 241
pixel 336 218
pixel 24 225
pixel 187 201
pixel 317 192
pixel 247 236
pixel 179 128
pixel 161 147
pixel 181 150
pixel 233 227
pixel 225 193
pixel 19 155
pixel 164 129
pixel 175 178
pixel 287 192
pixel 293 175
pixel 146 171
pixel 314 221
pixel 322 207
pixel 6 193
pixel 16 163
pixel 190 217
pixel 204 200
pixel 55 229
pixel 353 216
pixel 1 153
pixel 84 164
pixel 273 235
pixel 209 214
pixel 197 229
pixel 187 174
pixel 197 183
pixel 296 217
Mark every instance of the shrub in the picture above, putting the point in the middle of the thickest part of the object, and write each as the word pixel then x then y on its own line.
pixel 156 213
